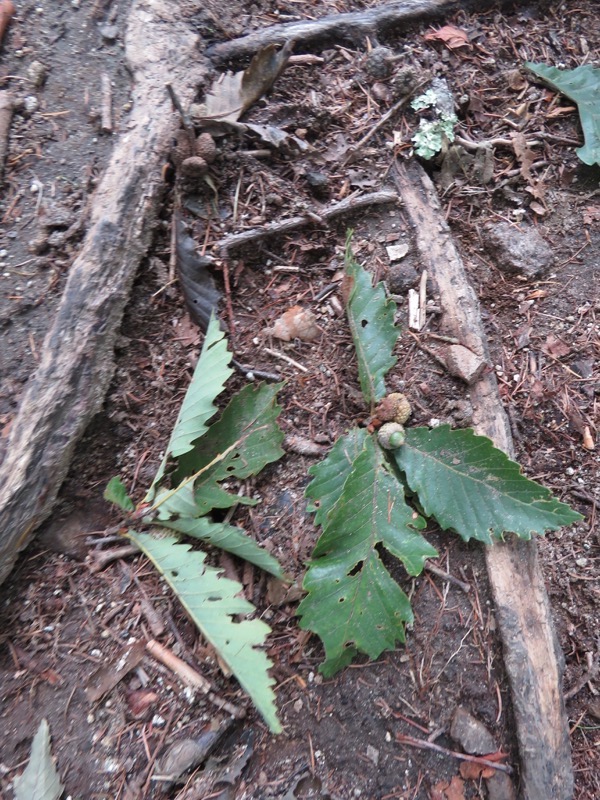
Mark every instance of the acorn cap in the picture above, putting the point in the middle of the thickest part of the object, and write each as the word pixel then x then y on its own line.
pixel 394 408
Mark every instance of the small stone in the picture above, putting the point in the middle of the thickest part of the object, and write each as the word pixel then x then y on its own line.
pixel 37 73
pixel 373 754
pixel 520 251
pixel 401 278
pixel 397 251
pixel 471 734
pixel 30 104
pixel 464 363
pixel 109 32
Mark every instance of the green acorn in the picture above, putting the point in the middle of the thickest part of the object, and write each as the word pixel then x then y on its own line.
pixel 391 435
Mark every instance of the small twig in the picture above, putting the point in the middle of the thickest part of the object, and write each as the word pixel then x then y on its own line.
pixel 252 374
pixel 286 225
pixel 590 675
pixel 101 560
pixel 185 120
pixel 381 122
pixel 190 676
pixel 466 587
pixel 425 745
pixel 486 143
pixel 106 124
pixel 428 350
pixel 285 358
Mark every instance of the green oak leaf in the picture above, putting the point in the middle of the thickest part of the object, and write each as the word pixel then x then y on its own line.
pixel 371 317
pixel 353 604
pixel 469 485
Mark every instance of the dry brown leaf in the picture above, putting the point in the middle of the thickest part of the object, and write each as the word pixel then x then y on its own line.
pixel 453 790
pixel 526 158
pixel 516 80
pixel 451 36
pixel 295 323
pixel 233 93
pixel 471 771
pixel 555 346
pixel 591 215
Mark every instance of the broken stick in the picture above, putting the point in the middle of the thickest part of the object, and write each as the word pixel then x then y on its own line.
pixel 532 657
pixel 353 27
pixel 286 225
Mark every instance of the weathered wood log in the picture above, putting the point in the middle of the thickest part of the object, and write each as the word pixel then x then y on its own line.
pixel 76 363
pixel 534 662
pixel 350 27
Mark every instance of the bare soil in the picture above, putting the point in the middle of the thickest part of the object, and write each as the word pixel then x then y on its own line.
pixel 67 611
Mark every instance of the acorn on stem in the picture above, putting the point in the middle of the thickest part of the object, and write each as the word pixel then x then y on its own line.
pixel 391 435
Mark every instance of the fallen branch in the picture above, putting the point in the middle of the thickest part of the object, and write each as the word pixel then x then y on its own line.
pixel 350 27
pixel 286 225
pixel 533 660
pixel 76 362
pixel 423 744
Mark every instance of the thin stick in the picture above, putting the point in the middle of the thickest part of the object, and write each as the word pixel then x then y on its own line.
pixel 388 114
pixel 283 357
pixel 190 676
pixel 447 577
pixel 106 123
pixel 325 214
pixel 424 745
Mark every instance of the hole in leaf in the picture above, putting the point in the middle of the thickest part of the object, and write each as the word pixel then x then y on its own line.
pixel 175 573
pixel 356 569
pixel 364 323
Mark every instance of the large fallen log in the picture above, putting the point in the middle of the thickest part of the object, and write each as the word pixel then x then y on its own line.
pixel 76 363
pixel 534 662
pixel 351 27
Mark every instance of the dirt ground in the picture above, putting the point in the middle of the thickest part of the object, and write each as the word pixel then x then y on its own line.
pixel 69 610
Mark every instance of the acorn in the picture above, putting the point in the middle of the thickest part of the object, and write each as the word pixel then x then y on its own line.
pixel 391 435
pixel 193 168
pixel 206 147
pixel 394 408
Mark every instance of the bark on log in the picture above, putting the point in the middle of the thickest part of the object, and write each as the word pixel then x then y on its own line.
pixel 534 662
pixel 341 27
pixel 76 363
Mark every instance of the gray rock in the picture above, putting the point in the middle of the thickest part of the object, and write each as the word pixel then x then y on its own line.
pixel 475 739
pixel 464 363
pixel 471 734
pixel 520 251
pixel 402 277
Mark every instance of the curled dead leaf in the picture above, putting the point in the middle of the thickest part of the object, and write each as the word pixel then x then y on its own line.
pixel 295 323
pixel 471 771
pixel 555 347
pixel 450 35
